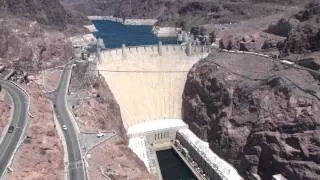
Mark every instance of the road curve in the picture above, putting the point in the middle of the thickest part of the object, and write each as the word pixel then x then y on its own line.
pixel 11 141
pixel 76 169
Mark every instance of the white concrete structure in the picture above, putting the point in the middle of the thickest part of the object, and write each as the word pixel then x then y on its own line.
pixel 278 177
pixel 166 31
pixel 147 22
pixel 214 166
pixel 107 18
pixel 157 132
pixel 139 146
pixel 147 137
pixel 155 126
pixel 92 28
pixel 148 81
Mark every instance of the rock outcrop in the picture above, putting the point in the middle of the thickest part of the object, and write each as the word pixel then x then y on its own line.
pixel 302 31
pixel 27 45
pixel 252 40
pixel 101 113
pixel 47 12
pixel 282 27
pixel 259 115
pixel 43 11
pixel 33 34
pixel 243 42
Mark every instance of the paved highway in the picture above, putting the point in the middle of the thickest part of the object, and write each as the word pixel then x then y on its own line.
pixel 76 169
pixel 19 121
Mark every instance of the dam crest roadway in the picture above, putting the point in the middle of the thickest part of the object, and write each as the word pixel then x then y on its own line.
pixel 148 82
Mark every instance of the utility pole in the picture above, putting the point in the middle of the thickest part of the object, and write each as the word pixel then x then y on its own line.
pixel 130 6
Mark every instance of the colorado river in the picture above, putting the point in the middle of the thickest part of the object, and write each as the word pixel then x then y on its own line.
pixel 172 167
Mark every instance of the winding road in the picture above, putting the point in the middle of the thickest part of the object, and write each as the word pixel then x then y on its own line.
pixel 76 166
pixel 10 142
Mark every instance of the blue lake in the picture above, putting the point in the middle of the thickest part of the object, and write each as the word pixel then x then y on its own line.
pixel 115 34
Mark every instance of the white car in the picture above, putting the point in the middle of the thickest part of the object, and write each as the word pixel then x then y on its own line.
pixel 64 127
pixel 100 134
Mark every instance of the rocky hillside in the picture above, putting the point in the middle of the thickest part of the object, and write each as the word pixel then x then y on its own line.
pixel 48 12
pixel 305 36
pixel 186 13
pixel 302 31
pixel 29 46
pixel 33 34
pixel 44 11
pixel 260 116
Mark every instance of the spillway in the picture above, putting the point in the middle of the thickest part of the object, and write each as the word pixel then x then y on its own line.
pixel 148 81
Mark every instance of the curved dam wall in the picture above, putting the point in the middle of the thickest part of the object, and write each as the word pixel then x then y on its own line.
pixel 148 81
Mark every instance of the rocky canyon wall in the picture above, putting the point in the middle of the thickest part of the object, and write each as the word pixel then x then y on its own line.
pixel 257 114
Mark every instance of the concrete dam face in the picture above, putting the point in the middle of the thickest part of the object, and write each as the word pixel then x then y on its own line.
pixel 148 82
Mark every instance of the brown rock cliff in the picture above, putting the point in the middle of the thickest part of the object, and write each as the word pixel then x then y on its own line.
pixel 260 116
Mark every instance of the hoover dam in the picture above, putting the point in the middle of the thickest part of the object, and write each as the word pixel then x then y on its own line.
pixel 148 81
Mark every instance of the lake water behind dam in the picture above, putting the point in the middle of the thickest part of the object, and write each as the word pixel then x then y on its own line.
pixel 114 34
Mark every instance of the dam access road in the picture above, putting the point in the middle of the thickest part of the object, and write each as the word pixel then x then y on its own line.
pixel 76 165
pixel 10 142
